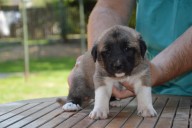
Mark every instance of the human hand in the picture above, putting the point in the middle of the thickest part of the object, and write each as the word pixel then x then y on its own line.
pixel 129 92
pixel 121 94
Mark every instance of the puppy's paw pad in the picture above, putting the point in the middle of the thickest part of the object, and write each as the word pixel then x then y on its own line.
pixel 71 107
pixel 98 114
pixel 147 112
pixel 116 103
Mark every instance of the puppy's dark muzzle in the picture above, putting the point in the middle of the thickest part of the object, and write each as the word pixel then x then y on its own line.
pixel 121 67
pixel 118 67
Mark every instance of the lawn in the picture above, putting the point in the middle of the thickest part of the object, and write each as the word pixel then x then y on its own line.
pixel 48 78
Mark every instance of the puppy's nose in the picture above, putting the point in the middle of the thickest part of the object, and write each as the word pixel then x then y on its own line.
pixel 117 66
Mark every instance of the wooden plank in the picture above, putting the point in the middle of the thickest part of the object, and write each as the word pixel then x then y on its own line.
pixel 103 123
pixel 121 117
pixel 73 120
pixel 183 112
pixel 134 119
pixel 16 112
pixel 158 106
pixel 113 112
pixel 23 114
pixel 36 116
pixel 57 120
pixel 8 107
pixel 173 112
pixel 15 121
pixel 84 123
pixel 5 108
pixel 45 118
pixel 62 117
pixel 76 118
pixel 181 119
pixel 40 100
pixel 168 114
pixel 190 117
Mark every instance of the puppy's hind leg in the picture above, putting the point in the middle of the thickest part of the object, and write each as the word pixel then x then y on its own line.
pixel 61 101
pixel 72 105
pixel 76 96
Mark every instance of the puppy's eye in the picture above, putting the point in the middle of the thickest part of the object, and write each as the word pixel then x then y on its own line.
pixel 126 49
pixel 108 51
pixel 129 51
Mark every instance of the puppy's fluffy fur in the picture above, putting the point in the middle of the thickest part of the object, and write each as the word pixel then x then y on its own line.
pixel 119 56
pixel 82 86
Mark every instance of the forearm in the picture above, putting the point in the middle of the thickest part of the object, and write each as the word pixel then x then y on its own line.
pixel 106 14
pixel 174 60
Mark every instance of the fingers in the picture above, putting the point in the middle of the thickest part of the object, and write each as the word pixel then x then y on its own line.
pixel 121 94
pixel 128 86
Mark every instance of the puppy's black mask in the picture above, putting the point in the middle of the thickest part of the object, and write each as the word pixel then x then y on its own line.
pixel 118 56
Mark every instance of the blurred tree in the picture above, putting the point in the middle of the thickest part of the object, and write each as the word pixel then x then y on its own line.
pixel 2 2
pixel 48 18
pixel 63 19
pixel 68 23
pixel 68 15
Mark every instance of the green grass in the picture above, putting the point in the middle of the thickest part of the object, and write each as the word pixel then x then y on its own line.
pixel 48 78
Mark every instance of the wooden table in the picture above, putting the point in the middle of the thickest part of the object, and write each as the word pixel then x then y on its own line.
pixel 173 111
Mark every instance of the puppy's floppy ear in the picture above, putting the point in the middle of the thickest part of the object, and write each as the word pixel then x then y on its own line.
pixel 143 46
pixel 94 53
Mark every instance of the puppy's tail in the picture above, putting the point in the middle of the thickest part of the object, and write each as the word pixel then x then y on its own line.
pixel 61 101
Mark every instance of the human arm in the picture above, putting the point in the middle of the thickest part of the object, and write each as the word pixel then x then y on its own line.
pixel 107 13
pixel 168 64
pixel 174 60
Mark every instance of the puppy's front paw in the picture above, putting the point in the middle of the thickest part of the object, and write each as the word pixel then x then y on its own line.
pixel 147 111
pixel 71 107
pixel 99 114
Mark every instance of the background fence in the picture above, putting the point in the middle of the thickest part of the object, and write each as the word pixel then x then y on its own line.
pixel 54 20
pixel 44 22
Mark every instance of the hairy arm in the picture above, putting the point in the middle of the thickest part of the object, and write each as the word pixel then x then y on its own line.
pixel 107 13
pixel 170 63
pixel 174 60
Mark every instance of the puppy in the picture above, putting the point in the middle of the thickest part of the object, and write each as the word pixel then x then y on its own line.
pixel 119 56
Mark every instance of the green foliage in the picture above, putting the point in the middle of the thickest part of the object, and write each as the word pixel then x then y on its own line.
pixel 40 84
pixel 3 1
pixel 132 22
pixel 36 65
pixel 48 78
